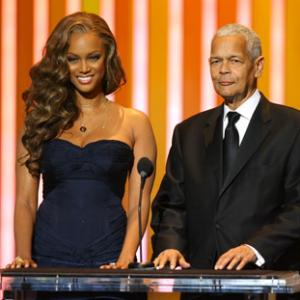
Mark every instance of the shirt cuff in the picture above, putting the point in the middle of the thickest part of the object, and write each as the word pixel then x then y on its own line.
pixel 259 259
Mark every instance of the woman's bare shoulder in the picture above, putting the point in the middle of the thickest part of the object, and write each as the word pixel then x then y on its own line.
pixel 133 114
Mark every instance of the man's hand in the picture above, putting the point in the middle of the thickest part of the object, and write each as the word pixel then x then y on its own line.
pixel 172 257
pixel 236 258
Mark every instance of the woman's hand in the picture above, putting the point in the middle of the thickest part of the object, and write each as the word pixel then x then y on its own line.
pixel 119 264
pixel 20 262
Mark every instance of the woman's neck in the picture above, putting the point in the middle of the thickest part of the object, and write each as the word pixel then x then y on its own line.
pixel 95 103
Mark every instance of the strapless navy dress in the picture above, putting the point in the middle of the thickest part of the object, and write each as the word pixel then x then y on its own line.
pixel 81 221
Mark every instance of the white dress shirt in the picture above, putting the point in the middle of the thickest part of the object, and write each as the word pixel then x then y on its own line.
pixel 246 111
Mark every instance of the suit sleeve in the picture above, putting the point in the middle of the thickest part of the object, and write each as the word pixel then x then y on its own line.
pixel 282 237
pixel 168 208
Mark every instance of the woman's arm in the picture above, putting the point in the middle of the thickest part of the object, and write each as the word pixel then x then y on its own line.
pixel 25 212
pixel 144 146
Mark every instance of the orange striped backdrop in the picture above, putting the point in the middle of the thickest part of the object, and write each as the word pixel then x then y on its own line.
pixel 164 46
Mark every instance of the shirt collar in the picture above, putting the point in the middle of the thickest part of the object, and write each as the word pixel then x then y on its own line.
pixel 247 109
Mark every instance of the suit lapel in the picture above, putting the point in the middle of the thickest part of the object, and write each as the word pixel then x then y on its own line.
pixel 257 131
pixel 213 141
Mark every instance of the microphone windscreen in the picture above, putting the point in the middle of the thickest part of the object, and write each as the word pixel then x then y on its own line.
pixel 145 167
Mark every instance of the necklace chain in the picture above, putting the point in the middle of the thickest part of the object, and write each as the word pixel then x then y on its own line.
pixel 83 128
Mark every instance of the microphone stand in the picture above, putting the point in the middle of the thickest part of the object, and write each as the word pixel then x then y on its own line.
pixel 141 265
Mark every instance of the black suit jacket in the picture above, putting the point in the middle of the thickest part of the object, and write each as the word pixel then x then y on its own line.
pixel 258 203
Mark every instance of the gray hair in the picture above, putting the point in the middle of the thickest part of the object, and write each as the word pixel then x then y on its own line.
pixel 252 39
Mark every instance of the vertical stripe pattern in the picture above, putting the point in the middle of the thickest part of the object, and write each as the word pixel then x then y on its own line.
pixel 8 127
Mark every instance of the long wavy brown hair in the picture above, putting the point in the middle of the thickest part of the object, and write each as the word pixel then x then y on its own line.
pixel 50 103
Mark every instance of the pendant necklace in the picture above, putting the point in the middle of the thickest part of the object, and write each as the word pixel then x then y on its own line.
pixel 83 127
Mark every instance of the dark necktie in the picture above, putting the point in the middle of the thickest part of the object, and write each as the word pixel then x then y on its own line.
pixel 231 142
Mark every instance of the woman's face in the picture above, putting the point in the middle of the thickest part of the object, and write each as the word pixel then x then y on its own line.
pixel 86 61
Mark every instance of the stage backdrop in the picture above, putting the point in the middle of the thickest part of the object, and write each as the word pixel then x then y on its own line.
pixel 164 47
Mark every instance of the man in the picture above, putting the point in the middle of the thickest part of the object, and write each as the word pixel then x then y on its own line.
pixel 230 198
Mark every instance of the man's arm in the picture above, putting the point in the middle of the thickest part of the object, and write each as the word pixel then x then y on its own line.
pixel 168 209
pixel 275 238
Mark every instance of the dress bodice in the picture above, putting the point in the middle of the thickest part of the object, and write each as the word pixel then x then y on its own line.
pixel 104 160
pixel 81 217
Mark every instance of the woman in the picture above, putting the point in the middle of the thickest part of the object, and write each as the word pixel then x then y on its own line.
pixel 85 147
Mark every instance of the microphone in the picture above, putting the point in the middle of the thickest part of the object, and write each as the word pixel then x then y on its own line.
pixel 145 169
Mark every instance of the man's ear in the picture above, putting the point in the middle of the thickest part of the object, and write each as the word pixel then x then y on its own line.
pixel 259 66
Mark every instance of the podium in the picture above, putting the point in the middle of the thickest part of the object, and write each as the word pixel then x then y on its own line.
pixel 17 283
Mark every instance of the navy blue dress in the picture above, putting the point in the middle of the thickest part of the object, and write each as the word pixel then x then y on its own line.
pixel 81 222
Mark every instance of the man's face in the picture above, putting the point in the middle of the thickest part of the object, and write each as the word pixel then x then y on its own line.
pixel 233 71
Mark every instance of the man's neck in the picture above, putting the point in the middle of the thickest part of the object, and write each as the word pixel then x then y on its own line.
pixel 234 102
